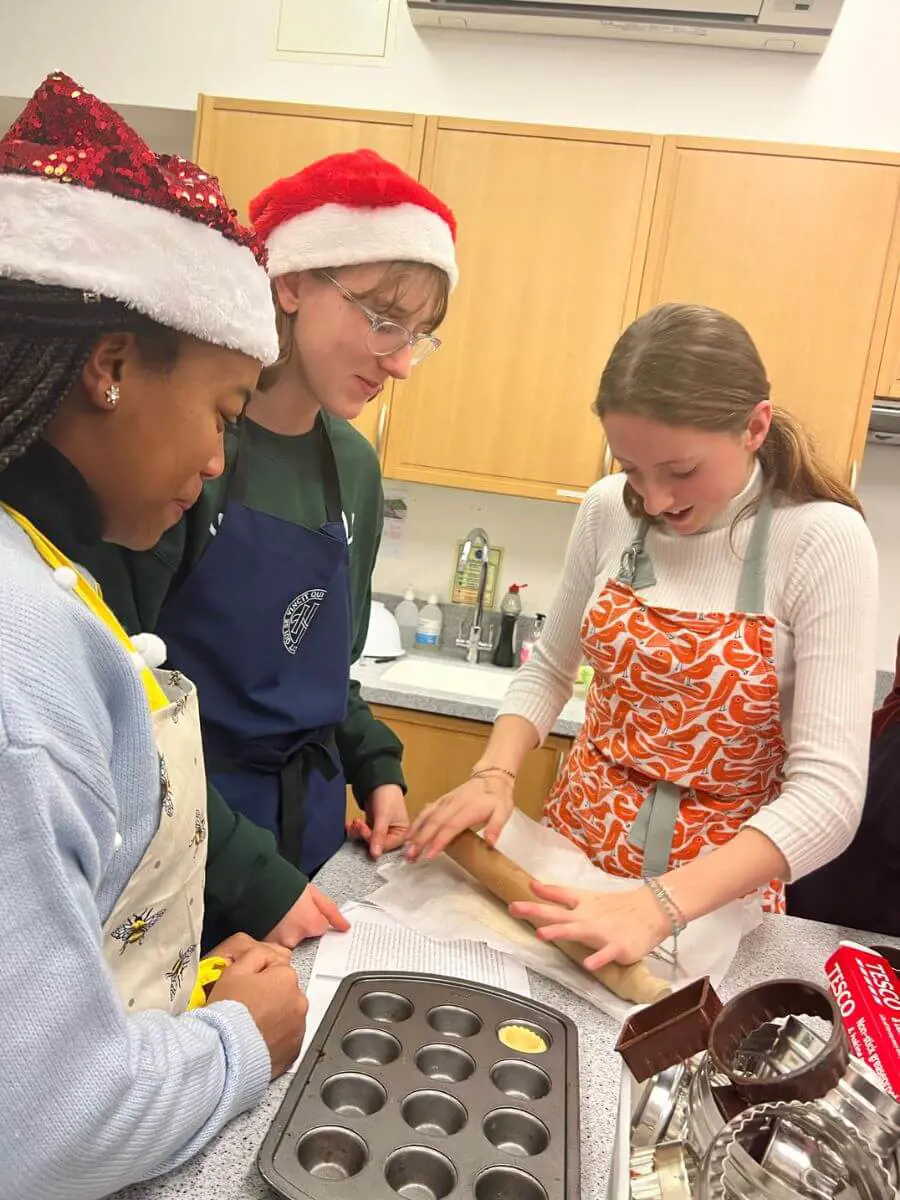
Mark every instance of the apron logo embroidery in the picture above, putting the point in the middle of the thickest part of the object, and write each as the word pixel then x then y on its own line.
pixel 133 931
pixel 299 616
pixel 176 972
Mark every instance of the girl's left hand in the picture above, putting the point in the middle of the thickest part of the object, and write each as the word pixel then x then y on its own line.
pixel 621 927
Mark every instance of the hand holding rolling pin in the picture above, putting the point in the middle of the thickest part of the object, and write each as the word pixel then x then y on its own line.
pixel 619 926
pixel 628 978
pixel 484 800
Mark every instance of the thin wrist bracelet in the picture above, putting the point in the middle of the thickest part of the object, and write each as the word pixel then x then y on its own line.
pixel 669 907
pixel 493 771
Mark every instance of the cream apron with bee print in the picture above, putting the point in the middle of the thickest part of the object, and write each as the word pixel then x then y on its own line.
pixel 151 940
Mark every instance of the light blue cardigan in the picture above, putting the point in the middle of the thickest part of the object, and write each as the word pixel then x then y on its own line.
pixel 91 1099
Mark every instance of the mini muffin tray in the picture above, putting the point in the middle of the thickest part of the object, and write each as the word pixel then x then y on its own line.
pixel 407 1090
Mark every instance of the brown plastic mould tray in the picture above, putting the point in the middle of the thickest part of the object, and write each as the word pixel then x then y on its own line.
pixel 670 1031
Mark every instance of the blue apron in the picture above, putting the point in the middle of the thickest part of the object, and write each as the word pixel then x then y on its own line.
pixel 262 626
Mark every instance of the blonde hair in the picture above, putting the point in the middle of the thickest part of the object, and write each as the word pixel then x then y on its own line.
pixel 684 364
pixel 386 298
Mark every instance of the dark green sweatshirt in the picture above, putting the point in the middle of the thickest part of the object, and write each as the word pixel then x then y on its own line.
pixel 248 885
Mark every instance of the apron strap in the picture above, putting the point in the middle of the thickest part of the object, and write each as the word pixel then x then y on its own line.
pixel 653 829
pixel 751 597
pixel 92 598
pixel 331 484
pixel 294 782
pixel 293 777
pixel 635 567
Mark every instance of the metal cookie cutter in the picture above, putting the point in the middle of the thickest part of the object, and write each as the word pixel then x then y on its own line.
pixel 665 1172
pixel 792 1149
pixel 796 1075
pixel 712 1102
pixel 860 1099
pixel 664 1099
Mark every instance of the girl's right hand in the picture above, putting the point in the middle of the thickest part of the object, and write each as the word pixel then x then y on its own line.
pixel 483 800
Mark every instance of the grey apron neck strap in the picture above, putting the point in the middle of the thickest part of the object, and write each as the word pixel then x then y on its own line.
pixel 751 597
pixel 635 567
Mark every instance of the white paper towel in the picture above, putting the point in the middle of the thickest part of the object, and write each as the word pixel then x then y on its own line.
pixel 440 900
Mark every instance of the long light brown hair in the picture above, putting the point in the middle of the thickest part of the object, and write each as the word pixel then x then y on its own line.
pixel 387 298
pixel 684 364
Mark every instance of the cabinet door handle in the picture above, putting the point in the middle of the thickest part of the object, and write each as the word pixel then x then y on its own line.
pixel 379 433
pixel 607 460
pixel 854 472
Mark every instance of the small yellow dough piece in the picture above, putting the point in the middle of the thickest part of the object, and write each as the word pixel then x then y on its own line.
pixel 208 971
pixel 519 1037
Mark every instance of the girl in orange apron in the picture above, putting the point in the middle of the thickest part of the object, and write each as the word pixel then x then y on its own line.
pixel 722 587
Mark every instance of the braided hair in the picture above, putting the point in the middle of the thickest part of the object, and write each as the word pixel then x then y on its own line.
pixel 46 337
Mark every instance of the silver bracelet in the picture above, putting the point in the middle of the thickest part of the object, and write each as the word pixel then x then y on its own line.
pixel 671 909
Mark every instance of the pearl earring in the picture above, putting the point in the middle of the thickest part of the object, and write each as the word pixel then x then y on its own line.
pixel 112 395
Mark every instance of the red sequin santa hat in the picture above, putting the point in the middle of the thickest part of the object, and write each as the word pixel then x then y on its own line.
pixel 86 204
pixel 350 209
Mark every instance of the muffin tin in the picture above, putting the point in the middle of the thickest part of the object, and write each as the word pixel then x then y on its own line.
pixel 430 1088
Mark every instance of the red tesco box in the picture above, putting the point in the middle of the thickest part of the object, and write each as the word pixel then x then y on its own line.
pixel 867 991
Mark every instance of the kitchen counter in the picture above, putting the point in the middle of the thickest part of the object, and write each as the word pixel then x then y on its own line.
pixel 781 946
pixel 445 684
pixel 453 689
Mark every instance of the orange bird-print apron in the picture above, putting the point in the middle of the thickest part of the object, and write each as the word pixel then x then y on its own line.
pixel 682 738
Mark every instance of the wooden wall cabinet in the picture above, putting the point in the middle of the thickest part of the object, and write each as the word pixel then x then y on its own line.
pixel 800 245
pixel 565 235
pixel 889 375
pixel 439 752
pixel 552 235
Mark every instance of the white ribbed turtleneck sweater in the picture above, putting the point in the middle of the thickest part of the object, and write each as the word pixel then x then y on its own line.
pixel 821 588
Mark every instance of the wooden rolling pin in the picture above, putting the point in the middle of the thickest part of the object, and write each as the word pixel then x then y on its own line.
pixel 508 882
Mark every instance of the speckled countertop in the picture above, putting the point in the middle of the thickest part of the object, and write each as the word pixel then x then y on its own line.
pixel 446 690
pixel 455 700
pixel 781 946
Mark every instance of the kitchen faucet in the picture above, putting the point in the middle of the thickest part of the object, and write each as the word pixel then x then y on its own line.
pixel 476 548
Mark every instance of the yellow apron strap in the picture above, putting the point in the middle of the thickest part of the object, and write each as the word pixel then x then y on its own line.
pixel 93 599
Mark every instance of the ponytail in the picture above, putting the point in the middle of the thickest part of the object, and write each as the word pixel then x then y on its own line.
pixel 794 467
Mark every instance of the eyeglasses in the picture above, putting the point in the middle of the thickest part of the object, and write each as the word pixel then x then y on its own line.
pixel 387 337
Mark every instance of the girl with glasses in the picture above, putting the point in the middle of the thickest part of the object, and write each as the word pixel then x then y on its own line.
pixel 265 588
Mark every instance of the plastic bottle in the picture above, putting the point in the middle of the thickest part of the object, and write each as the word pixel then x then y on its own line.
pixel 429 626
pixel 527 648
pixel 510 611
pixel 407 617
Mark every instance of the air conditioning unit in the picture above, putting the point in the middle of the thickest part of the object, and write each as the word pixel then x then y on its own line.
pixel 801 26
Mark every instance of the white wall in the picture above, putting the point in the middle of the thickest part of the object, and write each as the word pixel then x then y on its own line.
pixel 532 533
pixel 166 52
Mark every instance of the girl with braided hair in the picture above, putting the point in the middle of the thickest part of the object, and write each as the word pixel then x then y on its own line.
pixel 135 315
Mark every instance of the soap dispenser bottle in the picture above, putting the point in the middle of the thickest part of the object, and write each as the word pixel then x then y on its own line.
pixel 527 648
pixel 429 626
pixel 407 617
pixel 510 611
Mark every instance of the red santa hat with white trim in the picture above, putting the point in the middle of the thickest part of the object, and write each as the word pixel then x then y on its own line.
pixel 350 209
pixel 86 204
